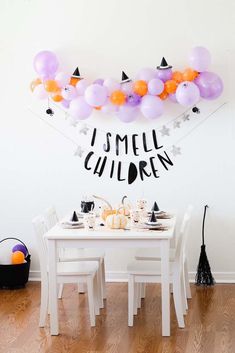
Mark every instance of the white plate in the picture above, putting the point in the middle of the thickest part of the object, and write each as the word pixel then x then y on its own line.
pixel 151 223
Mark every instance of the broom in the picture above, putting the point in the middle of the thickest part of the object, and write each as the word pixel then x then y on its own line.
pixel 204 276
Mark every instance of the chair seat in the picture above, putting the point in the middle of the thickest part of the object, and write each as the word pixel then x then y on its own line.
pixel 146 268
pixel 82 255
pixel 76 268
pixel 153 254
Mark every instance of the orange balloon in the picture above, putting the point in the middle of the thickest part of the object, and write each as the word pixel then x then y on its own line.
pixel 170 86
pixel 17 257
pixel 74 81
pixel 177 76
pixel 189 74
pixel 163 95
pixel 118 98
pixel 35 83
pixel 98 108
pixel 57 97
pixel 51 86
pixel 140 87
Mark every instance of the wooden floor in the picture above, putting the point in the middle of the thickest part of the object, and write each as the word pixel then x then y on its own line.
pixel 210 323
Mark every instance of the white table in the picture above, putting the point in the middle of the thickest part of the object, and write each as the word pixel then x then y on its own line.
pixel 58 237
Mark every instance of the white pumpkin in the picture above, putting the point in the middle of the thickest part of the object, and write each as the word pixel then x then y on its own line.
pixel 124 208
pixel 116 221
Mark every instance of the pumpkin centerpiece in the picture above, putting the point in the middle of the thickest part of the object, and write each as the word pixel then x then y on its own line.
pixel 116 221
pixel 125 207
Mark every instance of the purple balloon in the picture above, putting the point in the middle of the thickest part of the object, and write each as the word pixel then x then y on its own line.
pixel 199 59
pixel 65 103
pixel 127 114
pixel 81 86
pixel 147 74
pixel 20 247
pixel 96 95
pixel 155 86
pixel 172 97
pixel 79 109
pixel 187 93
pixel 133 99
pixel 45 63
pixel 109 108
pixel 69 92
pixel 164 74
pixel 127 87
pixel 99 81
pixel 111 85
pixel 210 85
pixel 151 107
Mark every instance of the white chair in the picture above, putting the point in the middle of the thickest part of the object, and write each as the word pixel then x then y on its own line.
pixel 142 272
pixel 154 255
pixel 67 272
pixel 65 255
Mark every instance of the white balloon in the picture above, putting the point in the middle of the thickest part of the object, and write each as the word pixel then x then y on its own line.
pixel 40 92
pixel 62 79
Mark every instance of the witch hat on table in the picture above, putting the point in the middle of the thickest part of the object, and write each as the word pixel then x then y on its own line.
pixel 204 276
pixel 152 218
pixel 75 217
pixel 164 65
pixel 155 207
pixel 125 78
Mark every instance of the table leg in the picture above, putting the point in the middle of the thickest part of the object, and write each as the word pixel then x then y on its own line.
pixel 165 286
pixel 52 260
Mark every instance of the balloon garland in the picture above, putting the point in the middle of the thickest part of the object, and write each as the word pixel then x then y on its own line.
pixel 127 98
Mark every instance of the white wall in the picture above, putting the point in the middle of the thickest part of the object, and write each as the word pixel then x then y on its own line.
pixel 104 37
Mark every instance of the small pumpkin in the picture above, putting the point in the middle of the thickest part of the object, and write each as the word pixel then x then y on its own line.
pixel 116 221
pixel 125 207
pixel 107 212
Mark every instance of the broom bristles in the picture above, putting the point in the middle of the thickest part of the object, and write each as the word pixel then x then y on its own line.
pixel 204 276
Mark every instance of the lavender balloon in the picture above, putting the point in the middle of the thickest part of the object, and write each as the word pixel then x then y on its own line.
pixel 20 247
pixel 151 107
pixel 127 114
pixel 96 95
pixel 133 99
pixel 172 97
pixel 164 74
pixel 109 108
pixel 45 63
pixel 199 59
pixel 69 92
pixel 210 85
pixel 127 87
pixel 99 81
pixel 155 86
pixel 147 74
pixel 111 85
pixel 40 92
pixel 65 103
pixel 81 86
pixel 79 109
pixel 187 93
pixel 62 79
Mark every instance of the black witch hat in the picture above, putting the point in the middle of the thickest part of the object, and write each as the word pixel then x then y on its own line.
pixel 76 73
pixel 152 218
pixel 155 207
pixel 75 217
pixel 164 65
pixel 125 78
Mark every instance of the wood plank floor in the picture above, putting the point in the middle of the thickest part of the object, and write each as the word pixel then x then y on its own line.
pixel 210 323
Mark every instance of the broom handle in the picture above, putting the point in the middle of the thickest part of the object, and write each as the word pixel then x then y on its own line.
pixel 203 225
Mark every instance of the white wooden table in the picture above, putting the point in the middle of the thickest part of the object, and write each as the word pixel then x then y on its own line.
pixel 58 237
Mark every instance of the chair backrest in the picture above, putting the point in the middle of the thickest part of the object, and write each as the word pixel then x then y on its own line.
pixel 40 229
pixel 51 217
pixel 182 239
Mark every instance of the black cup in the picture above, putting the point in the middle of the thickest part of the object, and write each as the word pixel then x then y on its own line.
pixel 87 206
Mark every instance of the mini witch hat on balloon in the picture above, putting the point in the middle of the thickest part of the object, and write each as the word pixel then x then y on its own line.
pixel 155 207
pixel 76 73
pixel 74 217
pixel 164 65
pixel 125 78
pixel 152 218
pixel 75 77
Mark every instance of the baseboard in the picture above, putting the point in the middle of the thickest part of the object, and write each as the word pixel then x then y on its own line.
pixel 121 276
